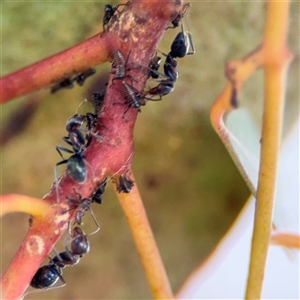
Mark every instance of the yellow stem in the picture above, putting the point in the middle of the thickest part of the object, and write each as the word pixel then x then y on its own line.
pixel 143 237
pixel 20 203
pixel 276 59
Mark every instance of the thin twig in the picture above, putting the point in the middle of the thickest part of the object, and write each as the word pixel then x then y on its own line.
pixel 135 213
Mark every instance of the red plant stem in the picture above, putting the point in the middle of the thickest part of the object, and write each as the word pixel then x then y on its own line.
pixel 54 68
pixel 285 239
pixel 137 31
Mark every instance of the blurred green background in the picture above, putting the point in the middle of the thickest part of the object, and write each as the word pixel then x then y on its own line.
pixel 190 187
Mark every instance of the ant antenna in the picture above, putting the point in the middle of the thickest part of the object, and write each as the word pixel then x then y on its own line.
pixel 96 222
pixel 80 104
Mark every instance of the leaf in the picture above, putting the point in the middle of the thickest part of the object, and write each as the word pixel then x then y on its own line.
pixel 223 275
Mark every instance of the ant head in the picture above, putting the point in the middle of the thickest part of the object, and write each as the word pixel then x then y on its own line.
pixel 74 122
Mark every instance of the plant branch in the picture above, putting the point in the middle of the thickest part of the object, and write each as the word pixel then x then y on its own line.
pixel 137 30
pixel 237 72
pixel 53 69
pixel 273 55
pixel 277 58
pixel 13 203
pixel 135 213
pixel 285 239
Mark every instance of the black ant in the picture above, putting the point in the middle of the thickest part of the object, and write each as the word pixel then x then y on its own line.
pixel 125 184
pixel 83 205
pixel 75 137
pixel 154 66
pixel 179 48
pixel 109 11
pixel 98 100
pixel 68 82
pixel 90 119
pixel 79 244
pixel 47 276
pixel 181 44
pixel 64 84
pixel 164 88
pixel 97 195
pixel 170 67
pixel 80 78
pixel 65 258
pixel 76 166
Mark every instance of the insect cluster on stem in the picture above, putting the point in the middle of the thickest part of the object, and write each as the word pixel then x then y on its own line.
pixel 180 47
pixel 82 129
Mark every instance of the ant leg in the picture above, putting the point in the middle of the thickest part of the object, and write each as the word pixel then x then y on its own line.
pixel 58 260
pixel 96 222
pixel 190 40
pixel 94 134
pixel 61 148
pixel 151 99
pixel 155 72
pixel 39 289
pixel 62 162
pixel 127 75
pixel 68 238
pixel 67 140
pixel 160 98
pixel 179 17
pixel 65 242
pixel 81 78
pixel 121 4
pixel 151 71
pixel 127 111
pixel 163 53
pixel 98 137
